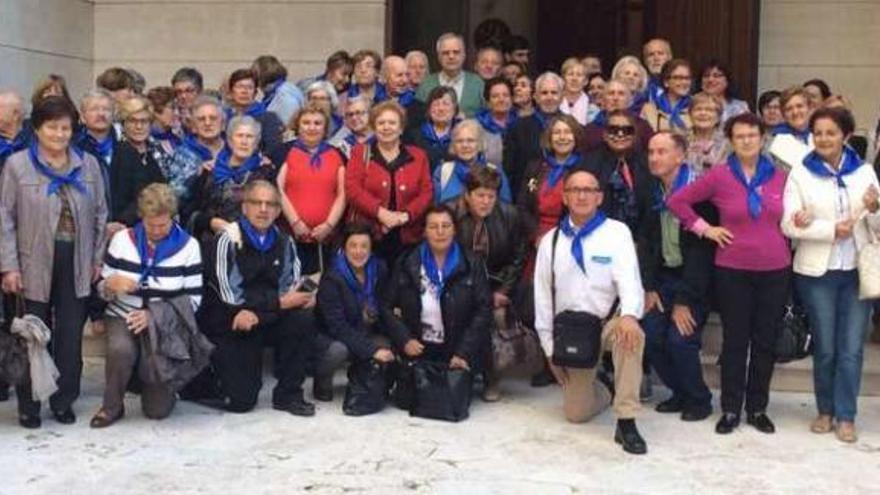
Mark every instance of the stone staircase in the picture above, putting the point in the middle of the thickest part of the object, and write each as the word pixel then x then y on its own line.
pixel 796 376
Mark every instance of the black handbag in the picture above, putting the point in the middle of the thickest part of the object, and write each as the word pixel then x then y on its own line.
pixel 14 364
pixel 795 339
pixel 577 335
pixel 440 392
pixel 367 388
pixel 403 390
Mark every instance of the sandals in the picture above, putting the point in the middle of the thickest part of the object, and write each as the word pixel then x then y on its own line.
pixel 822 424
pixel 102 419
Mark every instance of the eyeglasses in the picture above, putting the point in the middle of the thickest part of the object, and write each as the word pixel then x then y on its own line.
pixel 620 131
pixel 356 113
pixel 680 78
pixel 208 118
pixel 582 191
pixel 262 204
pixel 138 122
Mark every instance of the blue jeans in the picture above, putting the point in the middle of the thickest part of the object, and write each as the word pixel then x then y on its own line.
pixel 674 357
pixel 839 321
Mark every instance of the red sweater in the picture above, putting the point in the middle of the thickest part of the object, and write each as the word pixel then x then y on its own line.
pixel 312 191
pixel 368 186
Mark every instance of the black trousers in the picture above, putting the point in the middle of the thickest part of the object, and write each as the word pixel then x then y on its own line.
pixel 314 257
pixel 751 304
pixel 238 359
pixel 68 313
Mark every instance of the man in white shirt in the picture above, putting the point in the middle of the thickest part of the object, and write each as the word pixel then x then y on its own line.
pixel 595 264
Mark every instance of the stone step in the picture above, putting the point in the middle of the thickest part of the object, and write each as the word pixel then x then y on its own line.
pixel 796 376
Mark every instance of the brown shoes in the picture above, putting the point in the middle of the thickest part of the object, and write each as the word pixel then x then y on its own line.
pixel 846 432
pixel 103 419
pixel 822 424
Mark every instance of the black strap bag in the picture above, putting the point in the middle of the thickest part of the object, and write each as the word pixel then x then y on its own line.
pixel 577 335
pixel 367 388
pixel 795 340
pixel 440 392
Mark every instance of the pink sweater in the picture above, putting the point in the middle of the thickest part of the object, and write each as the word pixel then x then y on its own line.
pixel 758 244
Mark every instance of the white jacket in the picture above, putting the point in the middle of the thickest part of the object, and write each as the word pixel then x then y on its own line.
pixel 818 195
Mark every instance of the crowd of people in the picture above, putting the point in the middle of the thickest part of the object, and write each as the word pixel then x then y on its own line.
pixel 377 212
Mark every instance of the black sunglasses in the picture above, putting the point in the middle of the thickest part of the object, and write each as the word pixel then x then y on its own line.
pixel 620 131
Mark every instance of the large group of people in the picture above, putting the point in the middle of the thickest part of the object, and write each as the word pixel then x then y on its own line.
pixel 378 212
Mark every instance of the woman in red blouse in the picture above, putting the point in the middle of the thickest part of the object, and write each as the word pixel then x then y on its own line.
pixel 313 182
pixel 388 183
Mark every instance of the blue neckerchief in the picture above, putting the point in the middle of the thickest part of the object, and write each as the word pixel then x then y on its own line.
pixel 223 172
pixel 675 112
pixel 270 91
pixel 557 170
pixel 17 144
pixel 435 141
pixel 336 123
pixel 379 94
pixel 437 278
pixel 56 180
pixel 682 179
pixel 577 248
pixel 783 128
pixel 851 163
pixel 254 237
pixel 104 149
pixel 763 173
pixel 255 110
pixel 166 248
pixel 601 118
pixel 484 117
pixel 542 118
pixel 366 292
pixel 654 89
pixel 314 157
pixel 639 100
pixel 351 139
pixel 203 152
pixel 169 136
pixel 406 98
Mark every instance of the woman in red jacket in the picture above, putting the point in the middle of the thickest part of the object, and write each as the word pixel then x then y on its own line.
pixel 389 184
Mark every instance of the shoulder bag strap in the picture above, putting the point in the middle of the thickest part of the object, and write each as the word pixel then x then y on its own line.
pixel 553 270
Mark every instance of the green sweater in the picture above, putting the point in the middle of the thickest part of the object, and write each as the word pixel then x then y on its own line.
pixel 469 102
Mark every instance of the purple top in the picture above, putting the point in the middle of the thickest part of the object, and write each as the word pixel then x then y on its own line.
pixel 758 244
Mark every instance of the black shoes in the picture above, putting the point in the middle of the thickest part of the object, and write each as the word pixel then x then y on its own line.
pixel 65 417
pixel 297 407
pixel 543 378
pixel 727 423
pixel 4 393
pixel 761 422
pixel 696 413
pixel 670 405
pixel 627 435
pixel 30 422
pixel 322 388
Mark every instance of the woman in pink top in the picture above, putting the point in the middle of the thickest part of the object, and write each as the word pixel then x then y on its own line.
pixel 753 266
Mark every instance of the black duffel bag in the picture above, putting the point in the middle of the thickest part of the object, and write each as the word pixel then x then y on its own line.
pixel 577 339
pixel 795 339
pixel 440 392
pixel 367 388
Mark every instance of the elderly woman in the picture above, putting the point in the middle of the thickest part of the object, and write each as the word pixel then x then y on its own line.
pixel 137 162
pixel 242 89
pixel 437 303
pixel 492 230
pixel 52 217
pixel 622 168
pixel 132 278
pixel 348 313
pixel 166 130
pixel 323 94
pixel 523 91
pixel 197 152
pixel 219 193
pixel 616 96
pixel 792 139
pixel 669 109
pixel 467 150
pixel 312 182
pixel 825 201
pixel 707 145
pixel 14 135
pixel 388 184
pixel 575 101
pixel 630 70
pixel 365 79
pixel 770 108
pixel 435 134
pixel 498 116
pixel 356 130
pixel 416 67
pixel 752 267
pixel 715 79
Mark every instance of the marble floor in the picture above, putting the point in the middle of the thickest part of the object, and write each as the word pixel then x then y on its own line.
pixel 520 445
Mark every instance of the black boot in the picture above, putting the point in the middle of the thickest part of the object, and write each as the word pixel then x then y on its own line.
pixel 627 435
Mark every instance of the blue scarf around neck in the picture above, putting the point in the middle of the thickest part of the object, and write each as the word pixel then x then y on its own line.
pixel 437 277
pixel 166 248
pixel 484 117
pixel 850 163
pixel 557 170
pixel 577 248
pixel 168 135
pixel 674 112
pixel 434 140
pixel 314 157
pixel 365 292
pixel 406 98
pixel 783 128
pixel 682 179
pixel 104 148
pixel 268 239
pixel 379 95
pixel 56 181
pixel 18 143
pixel 203 152
pixel 763 173
pixel 224 172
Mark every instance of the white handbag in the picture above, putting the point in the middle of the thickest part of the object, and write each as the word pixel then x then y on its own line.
pixel 869 266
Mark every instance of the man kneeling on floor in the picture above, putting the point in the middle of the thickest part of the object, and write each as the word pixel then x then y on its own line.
pixel 582 267
pixel 253 299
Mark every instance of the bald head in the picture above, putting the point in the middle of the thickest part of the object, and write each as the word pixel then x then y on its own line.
pixel 394 72
pixel 11 112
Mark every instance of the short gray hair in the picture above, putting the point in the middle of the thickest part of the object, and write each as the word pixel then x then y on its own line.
pixel 207 101
pixel 244 121
pixel 94 94
pixel 465 125
pixel 549 76
pixel 450 36
pixel 328 88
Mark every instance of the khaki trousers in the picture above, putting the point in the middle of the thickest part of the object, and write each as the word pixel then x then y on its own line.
pixel 583 398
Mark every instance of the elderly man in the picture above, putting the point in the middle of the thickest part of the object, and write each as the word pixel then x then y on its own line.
pixel 676 267
pixel 582 267
pixel 488 62
pixel 416 67
pixel 397 87
pixel 256 297
pixel 617 96
pixel 467 85
pixel 13 137
pixel 97 136
pixel 655 53
pixel 522 142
